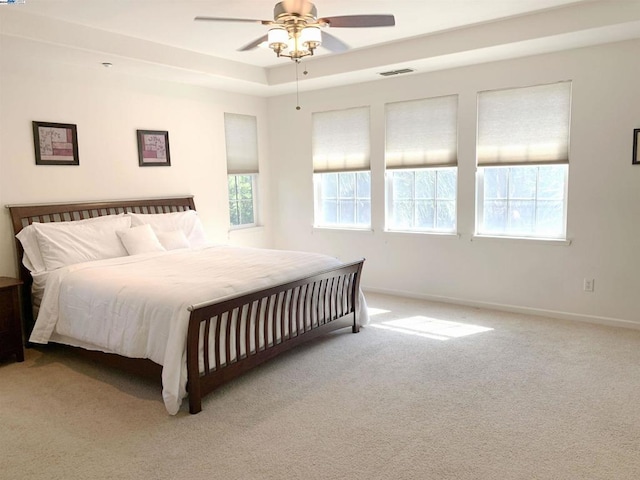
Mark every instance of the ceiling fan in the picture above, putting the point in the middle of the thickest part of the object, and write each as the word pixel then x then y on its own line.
pixel 296 29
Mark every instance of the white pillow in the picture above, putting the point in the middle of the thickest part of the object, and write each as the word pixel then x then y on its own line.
pixel 140 240
pixel 173 240
pixel 187 221
pixel 67 243
pixel 32 258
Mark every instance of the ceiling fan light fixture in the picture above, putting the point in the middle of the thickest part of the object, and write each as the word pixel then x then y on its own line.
pixel 278 40
pixel 295 49
pixel 311 37
pixel 299 42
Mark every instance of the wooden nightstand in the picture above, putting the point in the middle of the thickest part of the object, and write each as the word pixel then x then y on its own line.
pixel 10 319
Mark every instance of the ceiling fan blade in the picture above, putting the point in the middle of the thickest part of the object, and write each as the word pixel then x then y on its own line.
pixel 359 21
pixel 334 44
pixel 254 44
pixel 224 19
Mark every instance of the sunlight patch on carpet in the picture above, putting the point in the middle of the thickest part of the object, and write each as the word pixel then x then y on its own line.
pixel 376 311
pixel 431 328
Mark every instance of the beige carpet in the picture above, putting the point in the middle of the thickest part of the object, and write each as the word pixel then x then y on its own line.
pixel 409 397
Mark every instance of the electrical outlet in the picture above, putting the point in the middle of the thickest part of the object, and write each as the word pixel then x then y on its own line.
pixel 588 284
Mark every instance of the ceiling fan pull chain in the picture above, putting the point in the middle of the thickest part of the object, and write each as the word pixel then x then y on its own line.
pixel 297 86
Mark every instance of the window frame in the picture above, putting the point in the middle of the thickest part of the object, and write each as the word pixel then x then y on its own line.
pixel 341 145
pixel 421 136
pixel 526 127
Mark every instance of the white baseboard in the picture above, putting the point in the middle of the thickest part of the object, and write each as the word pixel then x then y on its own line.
pixel 614 322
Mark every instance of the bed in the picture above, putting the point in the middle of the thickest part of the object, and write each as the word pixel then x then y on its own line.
pixel 193 313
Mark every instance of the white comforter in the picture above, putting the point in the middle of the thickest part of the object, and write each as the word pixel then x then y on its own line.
pixel 137 306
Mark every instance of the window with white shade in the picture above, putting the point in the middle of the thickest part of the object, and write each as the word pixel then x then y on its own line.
pixel 342 178
pixel 523 161
pixel 241 139
pixel 421 156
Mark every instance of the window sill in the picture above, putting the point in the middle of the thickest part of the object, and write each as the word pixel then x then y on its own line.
pixel 245 229
pixel 543 241
pixel 425 233
pixel 342 229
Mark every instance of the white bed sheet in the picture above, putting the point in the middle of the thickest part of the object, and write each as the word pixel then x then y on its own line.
pixel 137 306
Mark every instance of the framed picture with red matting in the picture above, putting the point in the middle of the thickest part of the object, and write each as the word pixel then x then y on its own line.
pixel 55 143
pixel 153 148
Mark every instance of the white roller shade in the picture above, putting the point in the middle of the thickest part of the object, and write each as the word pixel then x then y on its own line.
pixel 422 133
pixel 241 137
pixel 341 140
pixel 527 125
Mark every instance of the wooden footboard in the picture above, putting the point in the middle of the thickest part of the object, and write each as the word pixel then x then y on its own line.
pixel 231 336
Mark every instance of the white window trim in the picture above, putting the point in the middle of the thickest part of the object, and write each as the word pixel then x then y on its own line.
pixel 244 230
pixel 342 229
pixel 541 240
pixel 450 235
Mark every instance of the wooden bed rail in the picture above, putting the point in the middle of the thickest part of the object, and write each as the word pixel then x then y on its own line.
pixel 233 335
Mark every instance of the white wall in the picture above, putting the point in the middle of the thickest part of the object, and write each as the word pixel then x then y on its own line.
pixel 603 206
pixel 604 188
pixel 107 108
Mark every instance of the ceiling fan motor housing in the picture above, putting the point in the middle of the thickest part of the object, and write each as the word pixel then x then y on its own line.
pixel 309 11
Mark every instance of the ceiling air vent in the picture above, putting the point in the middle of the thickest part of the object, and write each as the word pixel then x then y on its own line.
pixel 397 72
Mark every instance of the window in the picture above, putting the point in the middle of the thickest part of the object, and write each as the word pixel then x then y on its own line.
pixel 421 157
pixel 344 199
pixel 242 199
pixel 342 180
pixel 522 201
pixel 241 138
pixel 523 161
pixel 422 200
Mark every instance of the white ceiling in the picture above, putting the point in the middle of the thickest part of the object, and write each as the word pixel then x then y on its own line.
pixel 160 38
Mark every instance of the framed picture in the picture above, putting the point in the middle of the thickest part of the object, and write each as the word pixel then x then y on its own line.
pixel 55 143
pixel 153 148
pixel 635 160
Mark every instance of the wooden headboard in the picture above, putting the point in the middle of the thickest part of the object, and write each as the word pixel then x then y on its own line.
pixel 24 215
